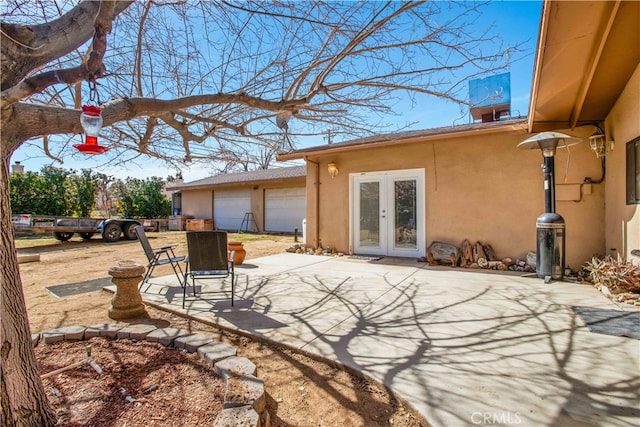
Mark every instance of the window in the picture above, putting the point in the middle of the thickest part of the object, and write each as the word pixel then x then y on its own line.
pixel 633 171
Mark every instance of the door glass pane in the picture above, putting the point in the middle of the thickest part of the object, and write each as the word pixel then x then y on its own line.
pixel 369 214
pixel 405 232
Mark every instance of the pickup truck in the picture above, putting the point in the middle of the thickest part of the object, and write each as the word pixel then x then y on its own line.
pixel 63 228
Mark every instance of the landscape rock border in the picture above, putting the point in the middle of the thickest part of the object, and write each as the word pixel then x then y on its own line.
pixel 244 398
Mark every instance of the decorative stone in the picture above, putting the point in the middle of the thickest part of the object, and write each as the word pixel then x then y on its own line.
pixel 532 259
pixel 235 367
pixel 136 332
pixel 216 351
pixel 166 336
pixel 443 252
pixel 294 249
pixel 127 301
pixel 35 339
pixel 192 342
pixel 109 330
pixel 69 333
pixel 245 397
pixel 242 416
pixel 246 390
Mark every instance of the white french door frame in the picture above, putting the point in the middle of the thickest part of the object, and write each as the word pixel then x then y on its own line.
pixel 387 222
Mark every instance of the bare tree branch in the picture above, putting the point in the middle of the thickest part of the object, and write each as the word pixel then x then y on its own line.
pixel 25 48
pixel 188 80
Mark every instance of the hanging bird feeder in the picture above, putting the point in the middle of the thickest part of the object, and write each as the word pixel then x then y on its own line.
pixel 91 121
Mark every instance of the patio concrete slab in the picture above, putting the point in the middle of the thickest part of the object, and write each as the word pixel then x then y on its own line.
pixel 464 348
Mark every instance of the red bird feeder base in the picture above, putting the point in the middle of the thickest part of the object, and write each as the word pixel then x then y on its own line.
pixel 91 148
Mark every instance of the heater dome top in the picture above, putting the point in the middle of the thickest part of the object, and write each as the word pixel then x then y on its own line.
pixel 548 140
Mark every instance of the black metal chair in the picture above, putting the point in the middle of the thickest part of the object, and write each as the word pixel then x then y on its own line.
pixel 162 256
pixel 208 258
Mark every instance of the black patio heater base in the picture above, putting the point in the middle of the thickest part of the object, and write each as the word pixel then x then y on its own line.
pixel 550 227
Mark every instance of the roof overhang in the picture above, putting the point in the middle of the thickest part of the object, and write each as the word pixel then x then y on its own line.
pixel 294 175
pixel 395 139
pixel 587 52
pixel 237 184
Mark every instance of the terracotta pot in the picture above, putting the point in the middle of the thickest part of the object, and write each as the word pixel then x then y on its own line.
pixel 241 253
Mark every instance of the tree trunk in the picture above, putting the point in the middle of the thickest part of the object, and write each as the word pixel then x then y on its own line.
pixel 24 402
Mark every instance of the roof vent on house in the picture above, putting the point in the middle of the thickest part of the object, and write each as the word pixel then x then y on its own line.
pixel 490 98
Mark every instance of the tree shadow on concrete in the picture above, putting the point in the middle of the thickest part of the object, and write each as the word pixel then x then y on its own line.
pixel 506 352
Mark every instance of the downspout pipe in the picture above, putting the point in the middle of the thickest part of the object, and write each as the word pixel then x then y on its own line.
pixel 317 212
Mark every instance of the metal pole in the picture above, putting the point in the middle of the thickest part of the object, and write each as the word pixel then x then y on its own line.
pixel 549 184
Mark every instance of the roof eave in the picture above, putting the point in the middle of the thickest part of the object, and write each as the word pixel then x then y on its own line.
pixel 446 134
pixel 537 70
pixel 247 183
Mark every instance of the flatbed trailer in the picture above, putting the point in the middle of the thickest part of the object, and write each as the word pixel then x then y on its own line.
pixel 63 228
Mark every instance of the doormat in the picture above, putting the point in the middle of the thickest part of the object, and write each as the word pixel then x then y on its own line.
pixel 366 258
pixel 611 322
pixel 61 291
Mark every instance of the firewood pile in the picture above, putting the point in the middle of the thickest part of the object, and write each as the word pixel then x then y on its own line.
pixel 476 255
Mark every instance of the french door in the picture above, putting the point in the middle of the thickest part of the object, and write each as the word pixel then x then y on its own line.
pixel 387 213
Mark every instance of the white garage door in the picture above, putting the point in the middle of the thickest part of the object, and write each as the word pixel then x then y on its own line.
pixel 229 207
pixel 284 209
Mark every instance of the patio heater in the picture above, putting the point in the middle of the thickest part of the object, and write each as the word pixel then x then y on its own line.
pixel 550 227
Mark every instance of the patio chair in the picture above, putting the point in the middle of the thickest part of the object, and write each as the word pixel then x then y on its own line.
pixel 208 259
pixel 162 256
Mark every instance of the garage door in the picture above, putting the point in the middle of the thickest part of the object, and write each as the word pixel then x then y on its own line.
pixel 229 207
pixel 285 209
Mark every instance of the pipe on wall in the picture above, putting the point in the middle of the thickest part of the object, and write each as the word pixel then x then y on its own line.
pixel 317 212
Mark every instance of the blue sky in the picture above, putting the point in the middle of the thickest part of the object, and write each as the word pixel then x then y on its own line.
pixel 514 21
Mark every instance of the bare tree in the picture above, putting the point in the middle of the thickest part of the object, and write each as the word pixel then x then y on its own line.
pixel 188 81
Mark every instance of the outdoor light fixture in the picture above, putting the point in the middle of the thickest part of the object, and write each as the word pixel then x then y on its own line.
pixel 598 142
pixel 332 169
pixel 550 226
pixel 91 121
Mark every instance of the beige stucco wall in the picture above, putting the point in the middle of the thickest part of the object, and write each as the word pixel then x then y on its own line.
pixel 479 187
pixel 199 203
pixel 622 125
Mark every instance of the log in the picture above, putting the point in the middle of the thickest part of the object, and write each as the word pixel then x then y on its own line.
pixel 491 254
pixel 467 253
pixel 479 252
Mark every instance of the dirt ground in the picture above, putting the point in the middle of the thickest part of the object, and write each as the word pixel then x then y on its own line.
pixel 300 391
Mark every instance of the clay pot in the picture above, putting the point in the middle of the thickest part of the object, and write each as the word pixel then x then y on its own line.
pixel 241 253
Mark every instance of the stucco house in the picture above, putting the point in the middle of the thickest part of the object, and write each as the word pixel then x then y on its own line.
pixel 394 194
pixel 271 200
